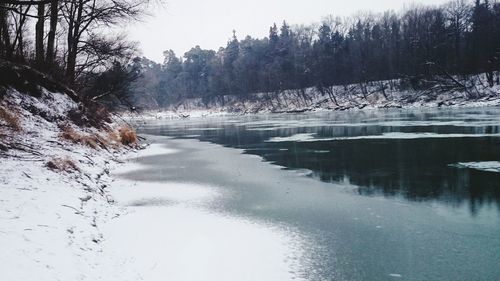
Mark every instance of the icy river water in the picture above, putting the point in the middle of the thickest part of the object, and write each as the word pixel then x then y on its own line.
pixel 367 195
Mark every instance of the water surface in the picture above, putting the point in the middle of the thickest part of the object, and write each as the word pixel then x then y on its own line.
pixel 382 195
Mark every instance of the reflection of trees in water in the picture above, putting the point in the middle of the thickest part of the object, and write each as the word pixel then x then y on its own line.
pixel 417 170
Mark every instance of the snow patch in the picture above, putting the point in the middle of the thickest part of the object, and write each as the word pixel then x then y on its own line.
pixel 182 243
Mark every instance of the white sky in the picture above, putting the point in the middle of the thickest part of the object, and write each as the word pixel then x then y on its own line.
pixel 183 24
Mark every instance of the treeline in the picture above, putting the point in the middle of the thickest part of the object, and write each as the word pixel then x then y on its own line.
pixel 458 38
pixel 68 39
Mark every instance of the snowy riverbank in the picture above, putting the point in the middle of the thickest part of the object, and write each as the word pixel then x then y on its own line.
pixel 54 178
pixel 372 95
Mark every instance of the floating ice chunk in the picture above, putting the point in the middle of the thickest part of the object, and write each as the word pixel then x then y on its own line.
pixel 393 135
pixel 396 275
pixel 488 166
pixel 293 138
pixel 204 129
pixel 304 172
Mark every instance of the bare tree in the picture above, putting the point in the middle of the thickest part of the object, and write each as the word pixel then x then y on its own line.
pixel 83 17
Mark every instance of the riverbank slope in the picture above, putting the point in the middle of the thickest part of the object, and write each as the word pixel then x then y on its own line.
pixel 54 175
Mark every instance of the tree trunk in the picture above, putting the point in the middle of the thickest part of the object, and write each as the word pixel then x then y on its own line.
pixel 54 13
pixel 5 34
pixel 331 94
pixel 382 88
pixel 2 19
pixel 73 38
pixel 39 53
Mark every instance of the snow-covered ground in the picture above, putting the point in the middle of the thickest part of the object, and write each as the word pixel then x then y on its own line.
pixel 85 222
pixel 350 97
pixel 51 220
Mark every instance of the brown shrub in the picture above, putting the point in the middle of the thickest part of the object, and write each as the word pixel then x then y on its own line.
pixel 62 165
pixel 91 140
pixel 128 136
pixel 11 119
pixel 114 137
pixel 123 136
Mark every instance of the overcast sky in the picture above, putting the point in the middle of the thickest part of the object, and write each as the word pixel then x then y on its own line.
pixel 183 24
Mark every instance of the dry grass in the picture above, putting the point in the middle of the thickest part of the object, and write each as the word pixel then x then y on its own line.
pixel 11 119
pixel 128 136
pixel 62 165
pixel 113 139
pixel 91 140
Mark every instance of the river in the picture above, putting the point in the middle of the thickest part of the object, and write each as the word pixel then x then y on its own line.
pixel 370 195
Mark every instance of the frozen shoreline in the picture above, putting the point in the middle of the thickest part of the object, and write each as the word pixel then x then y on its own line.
pixel 171 233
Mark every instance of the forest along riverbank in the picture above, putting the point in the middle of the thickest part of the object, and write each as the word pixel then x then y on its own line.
pixel 354 97
pixel 358 215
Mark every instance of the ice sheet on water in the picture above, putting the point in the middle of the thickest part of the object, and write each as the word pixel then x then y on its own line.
pixel 155 150
pixel 310 137
pixel 173 233
pixel 397 123
pixel 401 135
pixel 488 166
pixel 393 135
pixel 204 129
pixel 152 193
